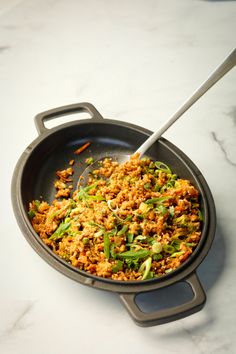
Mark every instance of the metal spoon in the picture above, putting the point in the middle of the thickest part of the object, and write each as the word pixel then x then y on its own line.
pixel 217 74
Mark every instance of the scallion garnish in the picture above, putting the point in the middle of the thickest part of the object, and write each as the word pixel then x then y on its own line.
pixel 156 247
pixel 177 254
pixel 168 249
pixel 157 256
pixel 130 237
pixel 147 186
pixel 31 213
pixel 145 267
pixel 118 266
pixel 139 254
pixel 85 240
pixel 106 240
pixel 161 209
pixel 157 200
pixel 140 238
pixel 162 167
pixel 60 231
pixel 123 230
pixel 200 215
pixel 172 210
pixel 89 161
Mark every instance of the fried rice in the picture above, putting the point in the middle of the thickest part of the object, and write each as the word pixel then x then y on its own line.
pixel 132 221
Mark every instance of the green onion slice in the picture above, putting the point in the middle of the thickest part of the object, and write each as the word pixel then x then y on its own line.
pixel 168 249
pixel 123 230
pixel 156 247
pixel 31 213
pixel 118 266
pixel 162 167
pixel 130 237
pixel 157 200
pixel 145 267
pixel 60 231
pixel 106 245
pixel 139 254
pixel 177 254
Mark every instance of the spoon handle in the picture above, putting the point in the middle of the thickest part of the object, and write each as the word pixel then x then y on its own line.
pixel 217 74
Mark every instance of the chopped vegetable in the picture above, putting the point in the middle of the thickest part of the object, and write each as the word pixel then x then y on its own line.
pixel 107 245
pixel 177 254
pixel 123 230
pixel 112 207
pixel 157 200
pixel 172 210
pixel 145 267
pixel 118 266
pixel 190 244
pixel 31 213
pixel 82 148
pixel 162 167
pixel 200 215
pixel 85 240
pixel 84 195
pixel 156 247
pixel 167 271
pixel 60 231
pixel 130 237
pixel 144 208
pixel 89 160
pixel 168 249
pixel 157 256
pixel 141 238
pixel 142 253
pixel 161 209
pixel 176 244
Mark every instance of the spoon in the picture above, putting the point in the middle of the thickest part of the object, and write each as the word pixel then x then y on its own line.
pixel 217 74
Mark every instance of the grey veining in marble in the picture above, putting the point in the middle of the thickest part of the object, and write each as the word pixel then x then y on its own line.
pixel 3 48
pixel 222 148
pixel 232 114
pixel 17 324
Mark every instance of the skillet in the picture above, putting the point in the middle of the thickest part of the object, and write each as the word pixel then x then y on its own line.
pixel 34 175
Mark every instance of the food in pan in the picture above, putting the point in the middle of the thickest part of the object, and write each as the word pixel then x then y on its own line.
pixel 132 221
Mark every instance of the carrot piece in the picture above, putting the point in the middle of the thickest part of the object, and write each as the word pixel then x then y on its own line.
pixel 82 148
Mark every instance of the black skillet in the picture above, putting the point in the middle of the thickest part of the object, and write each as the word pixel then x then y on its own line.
pixel 51 151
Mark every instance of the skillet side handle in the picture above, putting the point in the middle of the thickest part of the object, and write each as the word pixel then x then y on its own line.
pixel 41 118
pixel 147 319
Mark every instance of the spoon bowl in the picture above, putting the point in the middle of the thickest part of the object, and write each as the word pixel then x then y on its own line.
pixel 84 178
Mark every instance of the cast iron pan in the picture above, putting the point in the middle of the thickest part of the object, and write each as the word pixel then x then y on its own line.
pixel 51 151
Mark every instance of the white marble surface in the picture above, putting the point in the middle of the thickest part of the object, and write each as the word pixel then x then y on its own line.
pixel 135 61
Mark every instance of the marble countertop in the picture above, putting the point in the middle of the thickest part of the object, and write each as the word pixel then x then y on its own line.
pixel 135 61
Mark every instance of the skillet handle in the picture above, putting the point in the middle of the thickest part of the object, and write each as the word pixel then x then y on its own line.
pixel 146 319
pixel 63 111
